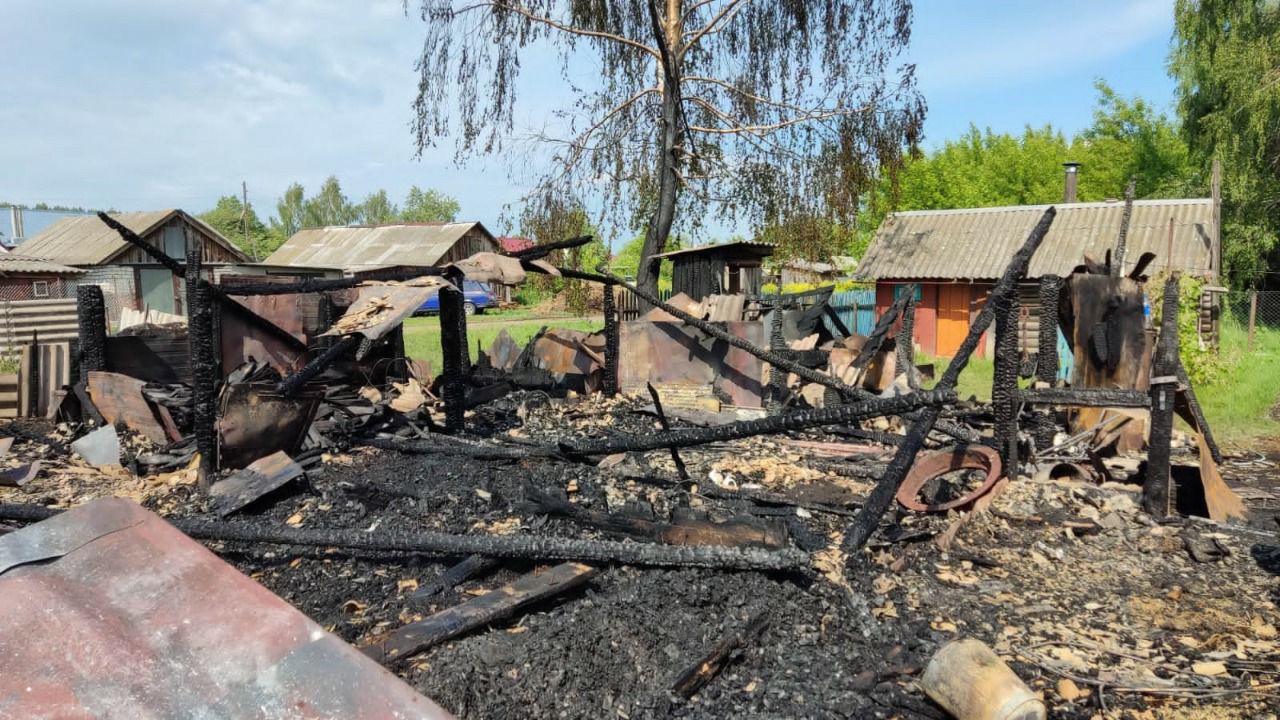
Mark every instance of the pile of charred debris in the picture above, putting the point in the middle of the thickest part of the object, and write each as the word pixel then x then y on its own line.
pixel 691 514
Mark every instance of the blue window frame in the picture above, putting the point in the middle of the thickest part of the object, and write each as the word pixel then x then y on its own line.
pixel 897 292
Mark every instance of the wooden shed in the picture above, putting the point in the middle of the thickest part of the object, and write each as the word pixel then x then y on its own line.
pixel 129 276
pixel 724 269
pixel 956 256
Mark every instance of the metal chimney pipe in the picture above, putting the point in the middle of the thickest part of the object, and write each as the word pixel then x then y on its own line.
pixel 1072 181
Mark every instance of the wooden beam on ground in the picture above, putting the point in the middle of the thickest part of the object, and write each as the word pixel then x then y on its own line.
pixel 695 677
pixel 419 636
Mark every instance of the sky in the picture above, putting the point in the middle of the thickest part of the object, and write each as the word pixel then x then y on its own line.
pixel 148 104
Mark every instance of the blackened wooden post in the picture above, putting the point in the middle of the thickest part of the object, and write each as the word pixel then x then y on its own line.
pixel 1047 353
pixel 91 313
pixel 905 344
pixel 1004 386
pixel 33 377
pixel 612 341
pixel 204 367
pixel 778 346
pixel 1164 386
pixel 456 360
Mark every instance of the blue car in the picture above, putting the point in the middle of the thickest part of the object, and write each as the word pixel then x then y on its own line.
pixel 477 297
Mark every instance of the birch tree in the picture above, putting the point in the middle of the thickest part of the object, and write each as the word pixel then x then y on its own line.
pixel 756 111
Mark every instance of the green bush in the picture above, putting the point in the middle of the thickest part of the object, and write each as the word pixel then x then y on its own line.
pixel 1203 363
pixel 840 285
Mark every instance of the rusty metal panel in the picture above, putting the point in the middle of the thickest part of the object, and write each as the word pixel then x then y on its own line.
pixel 254 421
pixel 120 400
pixel 128 617
pixel 295 314
pixel 241 338
pixel 670 353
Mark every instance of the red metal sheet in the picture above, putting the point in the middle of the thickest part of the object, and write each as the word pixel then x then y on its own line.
pixel 133 619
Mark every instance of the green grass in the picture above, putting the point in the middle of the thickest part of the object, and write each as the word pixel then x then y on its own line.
pixel 975 380
pixel 422 334
pixel 1238 404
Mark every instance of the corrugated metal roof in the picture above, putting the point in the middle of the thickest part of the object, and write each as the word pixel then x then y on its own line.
pixel 758 249
pixel 364 247
pixel 977 243
pixel 86 240
pixel 13 263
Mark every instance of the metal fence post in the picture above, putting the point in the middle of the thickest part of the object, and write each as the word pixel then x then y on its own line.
pixel 1253 315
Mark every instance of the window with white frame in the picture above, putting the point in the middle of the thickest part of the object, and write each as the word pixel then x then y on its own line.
pixel 40 288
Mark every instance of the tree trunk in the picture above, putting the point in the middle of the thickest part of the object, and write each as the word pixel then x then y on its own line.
pixel 667 33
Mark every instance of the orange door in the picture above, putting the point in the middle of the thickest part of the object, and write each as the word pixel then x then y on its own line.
pixel 953 318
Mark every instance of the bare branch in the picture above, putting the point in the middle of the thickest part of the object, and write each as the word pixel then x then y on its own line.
pixel 549 22
pixel 726 13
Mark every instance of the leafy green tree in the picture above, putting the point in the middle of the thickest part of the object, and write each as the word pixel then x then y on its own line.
pixel 289 211
pixel 329 206
pixel 1128 139
pixel 377 209
pixel 1226 60
pixel 229 217
pixel 429 206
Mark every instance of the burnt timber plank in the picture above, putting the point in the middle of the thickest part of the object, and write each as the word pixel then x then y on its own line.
pixel 416 637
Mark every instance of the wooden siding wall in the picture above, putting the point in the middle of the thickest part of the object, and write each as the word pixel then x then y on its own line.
pixel 211 250
pixel 469 244
pixel 926 326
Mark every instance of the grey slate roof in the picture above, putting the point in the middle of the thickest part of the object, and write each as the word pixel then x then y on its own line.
pixel 14 263
pixel 977 243
pixel 365 247
pixel 84 240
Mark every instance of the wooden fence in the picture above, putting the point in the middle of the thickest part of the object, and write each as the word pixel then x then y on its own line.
pixel 20 320
pixel 856 308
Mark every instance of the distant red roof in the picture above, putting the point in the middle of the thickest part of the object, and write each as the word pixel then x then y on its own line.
pixel 514 244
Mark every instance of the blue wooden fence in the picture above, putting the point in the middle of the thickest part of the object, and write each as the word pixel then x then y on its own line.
pixel 856 308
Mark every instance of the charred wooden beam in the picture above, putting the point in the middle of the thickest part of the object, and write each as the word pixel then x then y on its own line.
pixel 291 385
pixel 1156 495
pixel 777 379
pixel 407 641
pixel 470 567
pixel 444 445
pixel 537 252
pixel 612 342
pixel 1197 414
pixel 1086 397
pixel 204 369
pixel 882 496
pixel 878 333
pixel 437 544
pixel 800 420
pixel 1004 386
pixel 455 357
pixel 91 315
pixel 905 343
pixel 1121 241
pixel 666 426
pixel 696 676
pixel 834 317
pixel 1047 340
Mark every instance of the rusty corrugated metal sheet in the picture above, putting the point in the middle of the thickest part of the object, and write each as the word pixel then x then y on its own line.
pixel 86 240
pixel 978 243
pixel 671 353
pixel 106 611
pixel 375 246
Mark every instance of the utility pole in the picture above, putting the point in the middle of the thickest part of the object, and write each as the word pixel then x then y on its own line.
pixel 244 218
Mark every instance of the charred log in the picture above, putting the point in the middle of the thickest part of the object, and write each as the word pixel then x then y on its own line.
pixel 1086 397
pixel 292 384
pixel 612 341
pixel 472 566
pixel 1004 386
pixel 1156 496
pixel 905 344
pixel 91 315
pixel 438 544
pixel 454 350
pixel 204 369
pixel 705 670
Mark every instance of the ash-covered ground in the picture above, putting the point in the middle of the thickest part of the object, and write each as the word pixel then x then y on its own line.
pixel 1093 603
